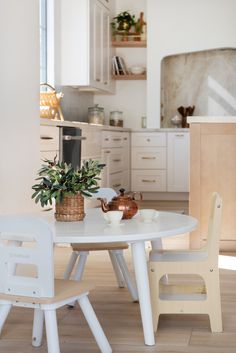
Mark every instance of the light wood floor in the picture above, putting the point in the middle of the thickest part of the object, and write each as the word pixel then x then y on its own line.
pixel 120 319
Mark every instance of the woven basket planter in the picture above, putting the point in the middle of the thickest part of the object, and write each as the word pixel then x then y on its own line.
pixel 70 209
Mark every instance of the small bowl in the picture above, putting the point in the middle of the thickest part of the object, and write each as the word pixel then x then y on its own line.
pixel 176 120
pixel 137 70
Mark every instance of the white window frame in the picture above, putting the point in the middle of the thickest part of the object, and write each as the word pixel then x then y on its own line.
pixel 50 49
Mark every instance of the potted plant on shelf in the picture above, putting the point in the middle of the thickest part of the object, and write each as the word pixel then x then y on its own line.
pixel 123 22
pixel 68 186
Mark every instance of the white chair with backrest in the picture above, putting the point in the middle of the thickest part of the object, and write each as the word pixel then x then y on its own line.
pixel 176 299
pixel 115 250
pixel 37 289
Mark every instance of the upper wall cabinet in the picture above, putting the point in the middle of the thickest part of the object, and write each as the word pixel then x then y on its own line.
pixel 85 44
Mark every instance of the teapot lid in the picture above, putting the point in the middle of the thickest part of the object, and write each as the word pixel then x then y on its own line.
pixel 121 195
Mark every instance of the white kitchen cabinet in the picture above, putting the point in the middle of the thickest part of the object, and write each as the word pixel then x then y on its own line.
pixel 149 180
pixel 85 49
pixel 49 142
pixel 178 161
pixel 115 154
pixel 148 162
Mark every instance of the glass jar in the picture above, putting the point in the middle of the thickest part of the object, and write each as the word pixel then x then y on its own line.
pixel 96 115
pixel 116 118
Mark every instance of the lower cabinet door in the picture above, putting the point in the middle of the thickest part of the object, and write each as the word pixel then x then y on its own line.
pixel 148 180
pixel 48 155
pixel 116 181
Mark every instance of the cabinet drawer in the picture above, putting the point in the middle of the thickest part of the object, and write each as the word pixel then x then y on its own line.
pixel 116 181
pixel 149 158
pixel 116 160
pixel 49 138
pixel 112 139
pixel 154 139
pixel 48 155
pixel 148 180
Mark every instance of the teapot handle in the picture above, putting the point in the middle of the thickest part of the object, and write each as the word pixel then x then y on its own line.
pixel 137 193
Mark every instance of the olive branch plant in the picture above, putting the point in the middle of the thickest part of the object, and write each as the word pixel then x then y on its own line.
pixel 58 179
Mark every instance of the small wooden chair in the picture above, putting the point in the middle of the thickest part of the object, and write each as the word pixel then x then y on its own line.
pixel 192 299
pixel 38 291
pixel 115 252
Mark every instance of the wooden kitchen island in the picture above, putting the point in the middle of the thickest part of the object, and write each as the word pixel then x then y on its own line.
pixel 213 168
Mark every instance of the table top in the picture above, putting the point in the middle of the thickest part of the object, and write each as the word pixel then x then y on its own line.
pixel 94 228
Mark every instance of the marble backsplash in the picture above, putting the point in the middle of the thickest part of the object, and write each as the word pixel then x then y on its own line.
pixel 75 103
pixel 205 79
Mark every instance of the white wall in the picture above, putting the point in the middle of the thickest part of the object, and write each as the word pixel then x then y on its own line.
pixel 130 96
pixel 19 97
pixel 179 26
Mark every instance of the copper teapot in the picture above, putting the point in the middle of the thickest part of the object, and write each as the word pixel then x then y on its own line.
pixel 123 202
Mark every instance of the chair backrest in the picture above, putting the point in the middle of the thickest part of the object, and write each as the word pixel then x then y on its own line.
pixel 26 241
pixel 214 227
pixel 105 193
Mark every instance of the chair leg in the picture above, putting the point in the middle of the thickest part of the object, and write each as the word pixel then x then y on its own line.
pixel 79 270
pixel 94 324
pixel 37 333
pixel 70 265
pixel 124 269
pixel 213 296
pixel 4 311
pixel 116 268
pixel 52 331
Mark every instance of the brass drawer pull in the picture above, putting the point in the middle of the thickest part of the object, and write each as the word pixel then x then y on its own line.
pixel 116 160
pixel 117 139
pixel 106 139
pixel 107 151
pixel 46 138
pixel 148 181
pixel 116 185
pixel 148 157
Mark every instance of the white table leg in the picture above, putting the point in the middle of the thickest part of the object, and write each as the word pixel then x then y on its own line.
pixel 141 273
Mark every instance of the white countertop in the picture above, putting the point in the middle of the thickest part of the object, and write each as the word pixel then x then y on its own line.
pixel 211 119
pixel 177 129
pixel 80 124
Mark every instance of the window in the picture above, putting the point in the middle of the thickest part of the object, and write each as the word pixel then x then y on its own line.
pixel 43 40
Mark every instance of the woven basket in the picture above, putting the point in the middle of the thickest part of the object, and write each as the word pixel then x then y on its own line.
pixel 50 103
pixel 70 209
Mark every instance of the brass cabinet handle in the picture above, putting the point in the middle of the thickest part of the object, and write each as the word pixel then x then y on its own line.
pixel 107 151
pixel 106 139
pixel 116 185
pixel 148 157
pixel 148 181
pixel 125 138
pixel 98 79
pixel 116 160
pixel 46 138
pixel 117 139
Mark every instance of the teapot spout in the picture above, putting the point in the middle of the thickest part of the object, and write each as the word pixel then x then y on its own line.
pixel 104 204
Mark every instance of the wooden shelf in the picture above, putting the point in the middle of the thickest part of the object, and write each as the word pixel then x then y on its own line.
pixel 129 44
pixel 130 77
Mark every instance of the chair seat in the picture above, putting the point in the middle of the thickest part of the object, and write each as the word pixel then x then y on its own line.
pixel 97 247
pixel 177 256
pixel 64 289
